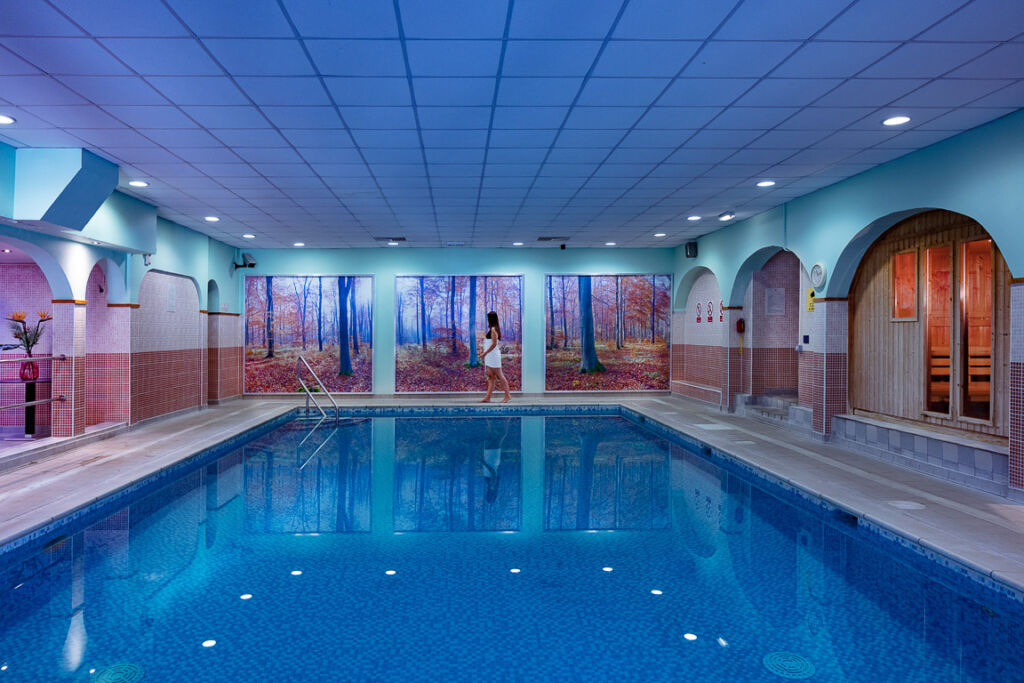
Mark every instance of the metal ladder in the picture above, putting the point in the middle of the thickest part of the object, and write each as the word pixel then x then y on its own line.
pixel 309 394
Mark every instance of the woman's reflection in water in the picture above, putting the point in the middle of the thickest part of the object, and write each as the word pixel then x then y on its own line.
pixel 497 431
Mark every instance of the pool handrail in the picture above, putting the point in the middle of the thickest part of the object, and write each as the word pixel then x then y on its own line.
pixel 309 394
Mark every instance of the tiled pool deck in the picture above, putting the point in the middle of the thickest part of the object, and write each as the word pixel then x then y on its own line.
pixel 984 532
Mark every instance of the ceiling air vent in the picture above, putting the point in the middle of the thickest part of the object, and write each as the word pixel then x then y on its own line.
pixel 552 239
pixel 389 239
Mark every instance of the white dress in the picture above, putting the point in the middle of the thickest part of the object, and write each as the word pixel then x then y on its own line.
pixel 492 359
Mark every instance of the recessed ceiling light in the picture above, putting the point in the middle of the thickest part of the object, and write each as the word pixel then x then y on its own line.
pixel 727 216
pixel 138 183
pixel 659 234
pixel 517 244
pixel 693 218
pixel 97 243
pixel 249 236
pixel 766 183
pixel 392 244
pixel 211 219
pixel 7 251
pixel 299 244
pixel 896 121
pixel 609 244
pixel 6 120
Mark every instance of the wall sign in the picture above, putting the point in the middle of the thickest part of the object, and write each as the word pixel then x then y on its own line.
pixel 775 301
pixel 810 299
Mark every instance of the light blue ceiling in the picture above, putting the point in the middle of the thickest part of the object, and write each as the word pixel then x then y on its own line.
pixel 491 121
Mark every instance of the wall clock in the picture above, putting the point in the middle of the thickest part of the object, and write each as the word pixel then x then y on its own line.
pixel 818 275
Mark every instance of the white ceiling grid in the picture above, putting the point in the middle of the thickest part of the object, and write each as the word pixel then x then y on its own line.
pixel 487 121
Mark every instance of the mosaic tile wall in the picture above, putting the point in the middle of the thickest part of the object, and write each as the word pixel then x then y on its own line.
pixel 168 337
pixel 225 355
pixel 68 416
pixel 1017 385
pixel 107 355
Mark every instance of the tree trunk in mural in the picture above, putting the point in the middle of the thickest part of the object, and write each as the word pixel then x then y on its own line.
pixel 551 309
pixel 588 350
pixel 654 290
pixel 471 337
pixel 451 312
pixel 344 359
pixel 618 312
pixel 270 316
pixel 565 332
pixel 320 315
pixel 423 317
pixel 354 320
pixel 301 288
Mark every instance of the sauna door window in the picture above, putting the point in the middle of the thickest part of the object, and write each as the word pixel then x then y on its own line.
pixel 958 339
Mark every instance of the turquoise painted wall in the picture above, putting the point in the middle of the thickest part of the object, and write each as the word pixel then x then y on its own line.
pixel 6 180
pixel 181 251
pixel 979 173
pixel 385 263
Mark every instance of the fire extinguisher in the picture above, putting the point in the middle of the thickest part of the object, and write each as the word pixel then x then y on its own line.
pixel 741 327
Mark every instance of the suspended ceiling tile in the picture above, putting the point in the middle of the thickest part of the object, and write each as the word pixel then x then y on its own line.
pixel 259 18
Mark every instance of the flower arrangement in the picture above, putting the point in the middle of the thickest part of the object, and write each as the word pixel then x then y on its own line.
pixel 27 336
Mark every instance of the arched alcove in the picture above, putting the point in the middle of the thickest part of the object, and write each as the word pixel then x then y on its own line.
pixel 25 287
pixel 168 344
pixel 929 325
pixel 107 346
pixel 699 338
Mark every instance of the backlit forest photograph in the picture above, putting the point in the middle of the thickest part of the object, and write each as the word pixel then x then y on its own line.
pixel 326 319
pixel 440 323
pixel 607 332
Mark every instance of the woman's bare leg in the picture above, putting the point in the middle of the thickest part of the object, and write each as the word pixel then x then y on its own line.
pixel 504 386
pixel 490 385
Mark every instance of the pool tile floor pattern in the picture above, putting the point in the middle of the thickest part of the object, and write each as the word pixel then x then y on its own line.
pixel 983 531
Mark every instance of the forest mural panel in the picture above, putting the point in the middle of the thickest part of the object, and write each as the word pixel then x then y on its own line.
pixel 327 319
pixel 440 322
pixel 607 332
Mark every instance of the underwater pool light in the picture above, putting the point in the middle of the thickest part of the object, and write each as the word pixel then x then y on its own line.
pixel 656 592
pixel 296 572
pixel 245 596
pixel 391 572
pixel 690 636
pixel 515 570
pixel 209 643
pixel 607 569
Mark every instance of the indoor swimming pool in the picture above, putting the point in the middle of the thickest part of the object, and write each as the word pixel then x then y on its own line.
pixel 524 545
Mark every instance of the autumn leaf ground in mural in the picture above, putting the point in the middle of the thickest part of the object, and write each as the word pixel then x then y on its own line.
pixel 277 374
pixel 634 367
pixel 434 369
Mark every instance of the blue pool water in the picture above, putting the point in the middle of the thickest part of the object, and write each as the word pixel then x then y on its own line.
pixel 595 514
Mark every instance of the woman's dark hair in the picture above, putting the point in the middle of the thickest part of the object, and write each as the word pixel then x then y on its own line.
pixel 492 324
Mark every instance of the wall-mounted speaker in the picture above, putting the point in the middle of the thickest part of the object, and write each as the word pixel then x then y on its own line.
pixel 691 250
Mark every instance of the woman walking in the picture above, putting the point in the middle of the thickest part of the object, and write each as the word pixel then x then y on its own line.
pixel 492 360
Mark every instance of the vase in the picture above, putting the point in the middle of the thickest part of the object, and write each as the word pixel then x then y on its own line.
pixel 29 371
